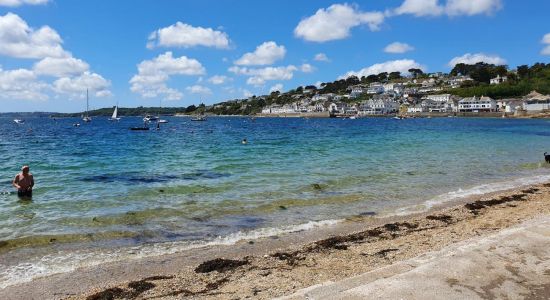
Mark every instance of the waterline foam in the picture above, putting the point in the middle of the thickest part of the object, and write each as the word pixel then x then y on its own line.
pixel 65 261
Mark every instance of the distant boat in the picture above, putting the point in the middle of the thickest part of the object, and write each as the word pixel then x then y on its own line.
pixel 115 117
pixel 200 117
pixel 86 117
pixel 148 118
pixel 162 121
pixel 352 117
pixel 19 121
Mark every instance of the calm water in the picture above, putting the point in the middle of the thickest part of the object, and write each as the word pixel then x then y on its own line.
pixel 101 186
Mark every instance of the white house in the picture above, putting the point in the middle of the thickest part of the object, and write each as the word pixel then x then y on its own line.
pixel 498 79
pixel 375 88
pixel 415 109
pixel 474 104
pixel 535 102
pixel 439 97
pixel 459 80
pixel 434 106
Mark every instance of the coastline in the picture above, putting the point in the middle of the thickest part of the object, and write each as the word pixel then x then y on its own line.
pixel 278 266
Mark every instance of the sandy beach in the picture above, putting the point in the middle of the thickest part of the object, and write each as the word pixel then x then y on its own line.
pixel 278 266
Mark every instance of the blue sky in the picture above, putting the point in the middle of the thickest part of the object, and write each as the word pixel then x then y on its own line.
pixel 178 53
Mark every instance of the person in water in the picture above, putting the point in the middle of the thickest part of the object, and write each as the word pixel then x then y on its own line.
pixel 24 182
pixel 244 142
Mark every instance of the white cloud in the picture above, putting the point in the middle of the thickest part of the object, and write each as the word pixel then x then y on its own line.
pixel 470 7
pixel 398 47
pixel 265 54
pixel 276 88
pixel 546 41
pixel 219 79
pixel 260 76
pixel 76 87
pixel 19 40
pixel 422 8
pixel 247 93
pixel 14 3
pixel 335 23
pixel 185 35
pixel 321 57
pixel 150 82
pixel 22 84
pixel 471 59
pixel 60 67
pixel 199 89
pixel 307 68
pixel 402 65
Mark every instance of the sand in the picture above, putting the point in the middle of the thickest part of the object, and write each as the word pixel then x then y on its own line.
pixel 273 267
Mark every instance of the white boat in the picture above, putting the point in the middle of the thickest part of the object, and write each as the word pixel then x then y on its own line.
pixel 199 118
pixel 19 121
pixel 352 117
pixel 149 118
pixel 86 117
pixel 162 121
pixel 115 117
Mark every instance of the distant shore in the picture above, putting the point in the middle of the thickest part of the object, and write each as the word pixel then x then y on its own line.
pixel 278 266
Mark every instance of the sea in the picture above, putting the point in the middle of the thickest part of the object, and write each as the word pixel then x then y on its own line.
pixel 106 193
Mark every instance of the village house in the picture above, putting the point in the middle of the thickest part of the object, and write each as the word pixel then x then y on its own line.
pixel 457 81
pixel 536 102
pixel 509 105
pixel 474 104
pixel 418 108
pixel 498 79
pixel 375 88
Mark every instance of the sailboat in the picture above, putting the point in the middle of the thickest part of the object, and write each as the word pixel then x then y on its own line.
pixel 86 117
pixel 115 117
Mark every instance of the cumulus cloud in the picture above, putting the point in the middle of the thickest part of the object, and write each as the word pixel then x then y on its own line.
pixel 75 87
pixel 470 8
pixel 60 67
pixel 218 79
pixel 402 65
pixel 19 40
pixel 265 54
pixel 259 76
pixel 199 89
pixel 335 23
pixel 14 3
pixel 22 84
pixel 471 59
pixel 321 57
pixel 276 88
pixel 546 41
pixel 307 68
pixel 398 47
pixel 247 93
pixel 186 36
pixel 150 82
pixel 422 8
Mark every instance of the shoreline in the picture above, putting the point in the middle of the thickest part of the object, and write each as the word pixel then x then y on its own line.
pixel 278 266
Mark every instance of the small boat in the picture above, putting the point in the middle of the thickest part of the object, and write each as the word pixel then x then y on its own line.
pixel 352 117
pixel 86 117
pixel 148 118
pixel 115 117
pixel 199 118
pixel 76 125
pixel 19 121
pixel 162 121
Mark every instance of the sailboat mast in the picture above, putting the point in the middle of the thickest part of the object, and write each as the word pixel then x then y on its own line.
pixel 87 108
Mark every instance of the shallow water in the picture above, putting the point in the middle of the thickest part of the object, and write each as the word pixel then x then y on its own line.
pixel 103 186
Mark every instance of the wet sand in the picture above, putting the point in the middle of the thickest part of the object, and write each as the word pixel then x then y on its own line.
pixel 278 266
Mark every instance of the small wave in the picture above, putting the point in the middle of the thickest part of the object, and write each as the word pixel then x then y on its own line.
pixel 473 191
pixel 63 262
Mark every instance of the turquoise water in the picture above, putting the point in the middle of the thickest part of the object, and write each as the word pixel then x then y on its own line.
pixel 103 186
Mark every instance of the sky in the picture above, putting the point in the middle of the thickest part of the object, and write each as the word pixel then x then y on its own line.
pixel 177 53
